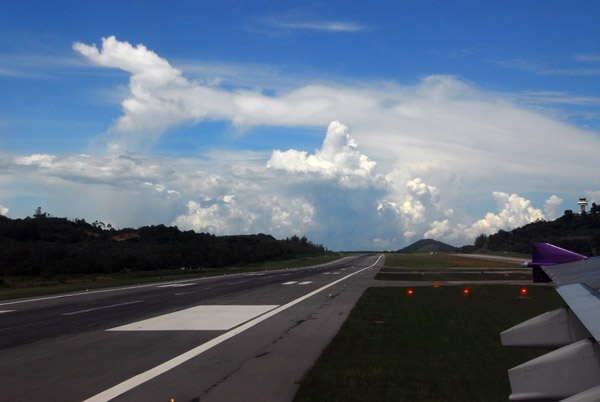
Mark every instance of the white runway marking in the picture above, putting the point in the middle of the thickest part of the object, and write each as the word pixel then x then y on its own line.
pixel 103 307
pixel 326 273
pixel 184 293
pixel 141 378
pixel 305 283
pixel 199 318
pixel 176 285
pixel 6 311
pixel 335 273
pixel 289 283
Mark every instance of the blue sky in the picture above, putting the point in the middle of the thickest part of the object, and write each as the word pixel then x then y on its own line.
pixel 361 125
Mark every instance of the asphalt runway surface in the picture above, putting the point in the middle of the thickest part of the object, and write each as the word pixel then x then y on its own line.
pixel 235 338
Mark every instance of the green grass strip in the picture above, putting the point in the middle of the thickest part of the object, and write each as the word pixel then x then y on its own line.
pixel 434 345
pixel 452 276
pixel 441 260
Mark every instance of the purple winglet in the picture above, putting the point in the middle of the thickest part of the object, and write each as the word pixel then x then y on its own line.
pixel 543 254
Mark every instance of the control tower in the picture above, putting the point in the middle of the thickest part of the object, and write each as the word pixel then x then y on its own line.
pixel 582 203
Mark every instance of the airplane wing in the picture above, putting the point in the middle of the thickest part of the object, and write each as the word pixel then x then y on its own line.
pixel 571 371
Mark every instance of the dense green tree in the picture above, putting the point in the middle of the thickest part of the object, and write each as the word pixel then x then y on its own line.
pixel 52 246
pixel 576 232
pixel 481 241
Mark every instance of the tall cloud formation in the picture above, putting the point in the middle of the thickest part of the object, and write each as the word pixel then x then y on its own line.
pixel 396 163
pixel 252 198
pixel 514 210
pixel 337 158
pixel 442 123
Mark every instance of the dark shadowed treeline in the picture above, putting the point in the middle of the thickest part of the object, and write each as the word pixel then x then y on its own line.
pixel 45 245
pixel 573 231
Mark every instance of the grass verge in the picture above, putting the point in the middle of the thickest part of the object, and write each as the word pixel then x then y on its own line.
pixel 434 345
pixel 453 276
pixel 441 260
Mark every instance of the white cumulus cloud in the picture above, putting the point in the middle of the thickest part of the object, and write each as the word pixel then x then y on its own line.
pixel 552 207
pixel 432 156
pixel 442 126
pixel 419 188
pixel 280 217
pixel 118 189
pixel 212 218
pixel 414 204
pixel 439 229
pixel 514 210
pixel 337 158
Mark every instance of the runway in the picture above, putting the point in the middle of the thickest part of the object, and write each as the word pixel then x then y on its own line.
pixel 240 337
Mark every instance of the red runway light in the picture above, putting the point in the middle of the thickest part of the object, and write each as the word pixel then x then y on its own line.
pixel 466 291
pixel 410 291
pixel 524 291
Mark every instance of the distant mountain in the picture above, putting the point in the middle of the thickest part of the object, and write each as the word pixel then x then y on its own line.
pixel 427 245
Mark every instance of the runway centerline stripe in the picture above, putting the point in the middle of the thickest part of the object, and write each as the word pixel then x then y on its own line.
pixel 237 283
pixel 184 293
pixel 176 285
pixel 139 379
pixel 103 307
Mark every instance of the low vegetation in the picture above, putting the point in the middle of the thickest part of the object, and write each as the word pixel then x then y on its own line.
pixel 441 260
pixel 434 345
pixel 575 232
pixel 448 267
pixel 453 276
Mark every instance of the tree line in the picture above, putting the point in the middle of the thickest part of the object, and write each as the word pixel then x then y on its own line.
pixel 46 245
pixel 579 232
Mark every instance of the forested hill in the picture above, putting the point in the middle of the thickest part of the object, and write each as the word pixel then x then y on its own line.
pixel 44 244
pixel 575 232
pixel 427 245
